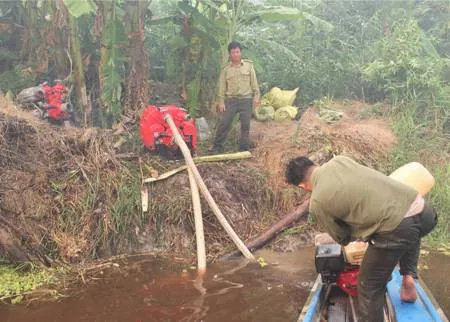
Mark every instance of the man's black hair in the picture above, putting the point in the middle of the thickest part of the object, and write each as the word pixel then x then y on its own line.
pixel 233 45
pixel 297 170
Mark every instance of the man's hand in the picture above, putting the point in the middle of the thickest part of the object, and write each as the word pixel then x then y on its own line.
pixel 323 239
pixel 256 102
pixel 221 107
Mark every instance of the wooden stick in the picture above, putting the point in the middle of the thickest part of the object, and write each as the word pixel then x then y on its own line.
pixel 166 174
pixel 200 237
pixel 144 198
pixel 190 163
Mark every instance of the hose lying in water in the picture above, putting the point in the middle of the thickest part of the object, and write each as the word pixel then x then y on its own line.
pixel 199 234
pixel 201 184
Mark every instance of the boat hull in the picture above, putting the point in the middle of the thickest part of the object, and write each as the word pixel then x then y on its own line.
pixel 329 303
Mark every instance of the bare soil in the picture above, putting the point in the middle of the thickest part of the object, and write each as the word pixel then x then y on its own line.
pixel 368 141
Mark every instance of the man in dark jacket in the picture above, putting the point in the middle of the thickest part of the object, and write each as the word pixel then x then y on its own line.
pixel 353 202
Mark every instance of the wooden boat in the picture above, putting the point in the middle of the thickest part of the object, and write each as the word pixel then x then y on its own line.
pixel 331 304
pixel 330 301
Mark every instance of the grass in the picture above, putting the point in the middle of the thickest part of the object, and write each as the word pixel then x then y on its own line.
pixel 100 217
pixel 126 210
pixel 440 198
pixel 420 141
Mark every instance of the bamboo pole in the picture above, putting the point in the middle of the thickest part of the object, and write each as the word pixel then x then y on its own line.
pixel 191 165
pixel 207 158
pixel 223 157
pixel 199 235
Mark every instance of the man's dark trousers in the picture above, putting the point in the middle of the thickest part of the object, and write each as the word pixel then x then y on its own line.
pixel 402 245
pixel 243 106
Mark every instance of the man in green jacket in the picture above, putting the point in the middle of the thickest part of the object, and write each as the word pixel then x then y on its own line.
pixel 353 202
pixel 238 92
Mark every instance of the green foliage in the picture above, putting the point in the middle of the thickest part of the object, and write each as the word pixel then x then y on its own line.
pixel 126 212
pixel 77 8
pixel 7 55
pixel 15 80
pixel 112 70
pixel 113 230
pixel 407 67
pixel 418 142
pixel 300 53
pixel 440 198
pixel 285 14
pixel 164 50
pixel 207 29
pixel 193 102
pixel 433 17
pixel 16 282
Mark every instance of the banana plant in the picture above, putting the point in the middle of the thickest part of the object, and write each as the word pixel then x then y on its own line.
pixel 194 48
pixel 208 26
pixel 78 8
pixel 240 18
pixel 112 37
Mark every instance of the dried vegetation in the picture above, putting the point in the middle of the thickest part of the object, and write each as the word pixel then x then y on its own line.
pixel 67 194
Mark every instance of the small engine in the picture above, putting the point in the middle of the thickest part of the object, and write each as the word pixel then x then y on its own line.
pixel 332 266
pixel 329 260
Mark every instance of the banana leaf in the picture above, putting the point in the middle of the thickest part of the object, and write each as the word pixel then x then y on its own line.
pixel 198 17
pixel 161 21
pixel 210 39
pixel 280 14
pixel 77 8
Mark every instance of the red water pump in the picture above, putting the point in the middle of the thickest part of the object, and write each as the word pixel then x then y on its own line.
pixel 50 101
pixel 158 136
pixel 54 105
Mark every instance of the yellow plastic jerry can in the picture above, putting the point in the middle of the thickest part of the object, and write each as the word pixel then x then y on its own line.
pixel 416 176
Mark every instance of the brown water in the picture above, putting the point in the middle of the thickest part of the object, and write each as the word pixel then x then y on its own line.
pixel 435 271
pixel 152 289
pixel 147 289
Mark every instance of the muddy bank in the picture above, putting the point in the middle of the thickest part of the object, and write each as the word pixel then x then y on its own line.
pixel 72 194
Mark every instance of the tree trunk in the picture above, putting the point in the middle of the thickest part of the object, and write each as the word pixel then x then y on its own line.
pixel 60 21
pixel 137 83
pixel 78 73
pixel 273 231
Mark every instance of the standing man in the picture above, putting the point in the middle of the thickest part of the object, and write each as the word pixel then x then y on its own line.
pixel 238 93
pixel 353 202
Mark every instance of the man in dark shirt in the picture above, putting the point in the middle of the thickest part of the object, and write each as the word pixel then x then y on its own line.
pixel 353 202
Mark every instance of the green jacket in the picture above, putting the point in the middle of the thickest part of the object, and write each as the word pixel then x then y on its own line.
pixel 238 81
pixel 352 201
